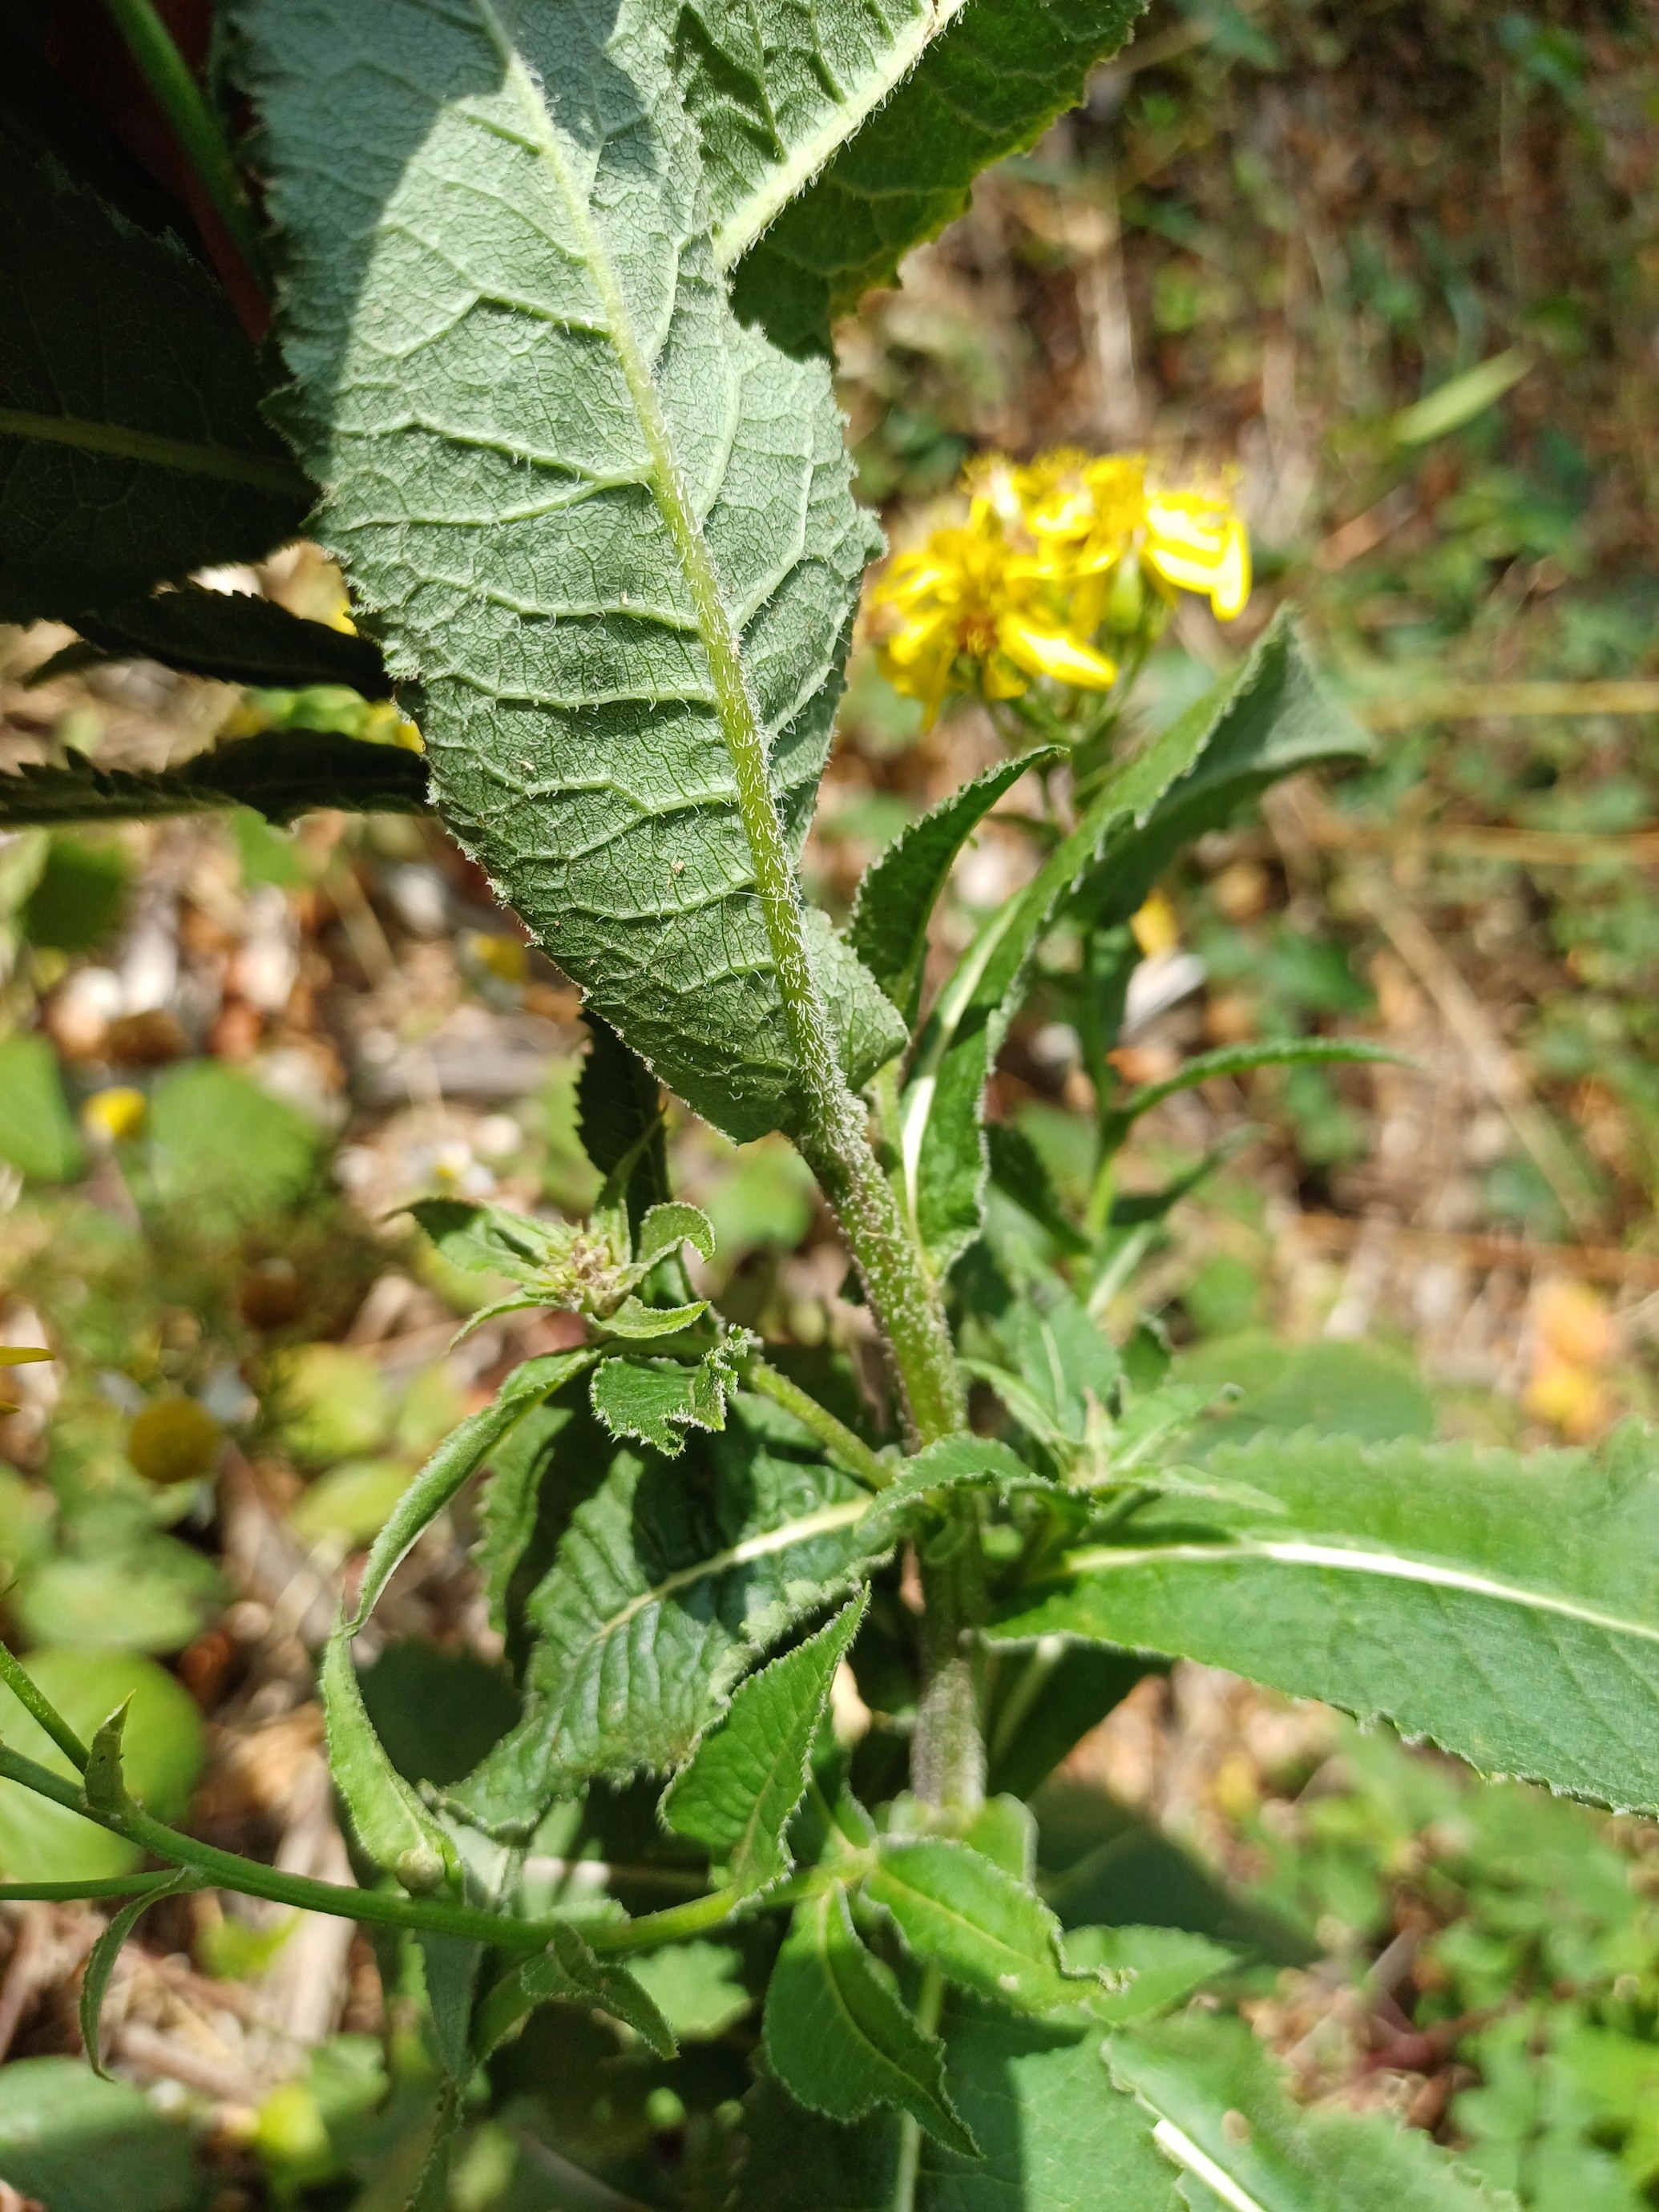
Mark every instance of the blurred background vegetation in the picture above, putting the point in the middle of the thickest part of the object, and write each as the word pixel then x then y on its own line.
pixel 1400 264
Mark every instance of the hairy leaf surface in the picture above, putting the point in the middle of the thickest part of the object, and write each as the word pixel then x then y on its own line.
pixel 1224 2119
pixel 669 1579
pixel 982 1927
pixel 283 774
pixel 739 1794
pixel 132 449
pixel 1506 1609
pixel 994 75
pixel 605 532
pixel 838 2035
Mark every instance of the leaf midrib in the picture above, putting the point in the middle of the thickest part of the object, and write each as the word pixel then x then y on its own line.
pixel 152 450
pixel 1393 1566
pixel 741 726
pixel 733 237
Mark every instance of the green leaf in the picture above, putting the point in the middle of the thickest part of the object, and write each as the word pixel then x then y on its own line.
pixel 888 928
pixel 698 1988
pixel 1223 2117
pixel 37 1131
pixel 100 1964
pixel 388 1819
pixel 567 1972
pixel 636 554
pixel 1268 720
pixel 1522 1589
pixel 281 773
pixel 105 1787
pixel 991 82
pixel 223 1150
pixel 979 1925
pixel 235 637
pixel 619 1110
pixel 486 1239
pixel 152 1595
pixel 463 1451
pixel 1145 1971
pixel 639 1324
pixel 1242 1060
pixel 738 1793
pixel 521 1516
pixel 669 1580
pixel 1055 2137
pixel 40 1841
pixel 656 1402
pixel 838 2036
pixel 810 2164
pixel 65 2134
pixel 132 449
pixel 666 1227
pixel 1018 1171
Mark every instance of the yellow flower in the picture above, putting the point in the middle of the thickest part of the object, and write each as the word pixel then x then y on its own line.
pixel 971 610
pixel 18 1355
pixel 115 1113
pixel 1199 543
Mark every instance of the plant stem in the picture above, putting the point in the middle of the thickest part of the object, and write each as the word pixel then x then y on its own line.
pixel 41 1708
pixel 195 126
pixel 226 1870
pixel 838 1440
pixel 929 2004
pixel 947 1753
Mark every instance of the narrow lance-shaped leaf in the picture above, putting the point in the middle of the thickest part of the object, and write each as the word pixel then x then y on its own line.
pixel 623 583
pixel 838 2035
pixel 392 1824
pixel 1523 1593
pixel 100 1963
pixel 979 1925
pixel 132 449
pixel 994 75
pixel 888 928
pixel 1271 719
pixel 1222 2117
pixel 283 774
pixel 461 1453
pixel 1244 1059
pixel 739 1794
pixel 236 637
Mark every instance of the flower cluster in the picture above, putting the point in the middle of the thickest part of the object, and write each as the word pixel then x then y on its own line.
pixel 1049 569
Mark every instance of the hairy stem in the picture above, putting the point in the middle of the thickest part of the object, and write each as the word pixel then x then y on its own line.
pixel 847 1449
pixel 947 1753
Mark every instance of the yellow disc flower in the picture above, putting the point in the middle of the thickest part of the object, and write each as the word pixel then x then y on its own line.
pixel 971 610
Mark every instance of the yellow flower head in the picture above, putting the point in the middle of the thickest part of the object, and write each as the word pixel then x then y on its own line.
pixel 1051 548
pixel 971 609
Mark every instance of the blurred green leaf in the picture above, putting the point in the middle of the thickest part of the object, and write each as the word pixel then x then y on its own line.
pixel 37 1133
pixel 65 2136
pixel 220 1147
pixel 79 896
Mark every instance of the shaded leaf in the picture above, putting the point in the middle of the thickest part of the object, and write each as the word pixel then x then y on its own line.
pixel 1524 1591
pixel 991 81
pixel 461 1452
pixel 282 774
pixel 132 449
pixel 813 2163
pixel 619 1106
pixel 65 2133
pixel 637 548
pixel 236 637
pixel 567 1972
pixel 739 1791
pixel 839 2037
pixel 1054 2136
